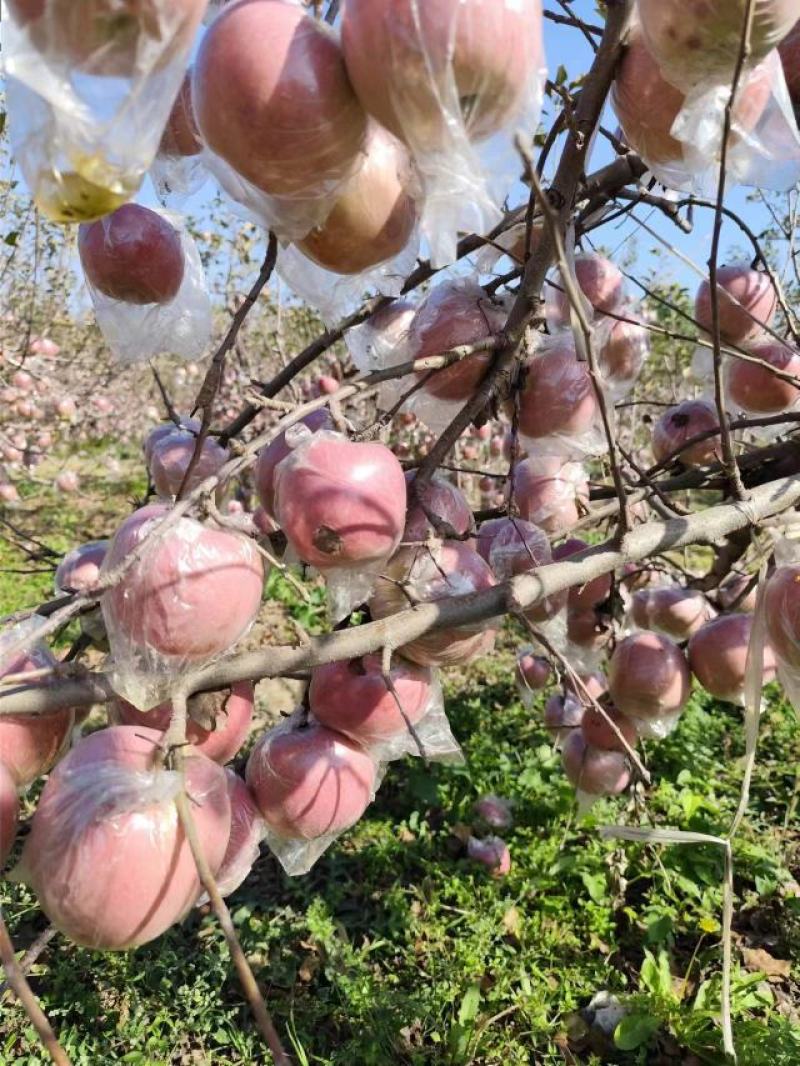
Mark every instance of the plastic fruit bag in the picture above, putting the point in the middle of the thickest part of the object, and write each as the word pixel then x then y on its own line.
pixel 454 81
pixel 147 284
pixel 89 89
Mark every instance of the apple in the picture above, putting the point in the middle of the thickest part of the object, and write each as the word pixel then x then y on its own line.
pixel 598 732
pixel 171 455
pixel 276 451
pixel 454 314
pixel 192 594
pixel 557 397
pixel 9 812
pixel 648 676
pixel 754 389
pixel 132 255
pixel 310 782
pixel 563 714
pixel 594 592
pixel 596 771
pixel 423 575
pixel 738 589
pixel 341 503
pixel 352 697
pixel 747 303
pixel 512 546
pixel 373 213
pixel 284 117
pixel 790 54
pixel 443 499
pixel 548 491
pixel 227 717
pixel 79 570
pixel 669 609
pixel 494 811
pixel 247 831
pixel 181 137
pixel 782 610
pixel 718 656
pixel 700 42
pixel 682 423
pixel 491 852
pixel 419 68
pixel 533 672
pixel 601 282
pixel 107 856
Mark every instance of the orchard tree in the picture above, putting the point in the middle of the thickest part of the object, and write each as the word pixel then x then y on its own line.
pixel 488 424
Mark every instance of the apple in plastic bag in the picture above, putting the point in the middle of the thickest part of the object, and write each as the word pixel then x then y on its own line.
pixel 754 388
pixel 683 423
pixel 107 856
pixel 405 59
pixel 353 698
pixel 341 503
pixel 595 771
pixel 718 656
pixel 9 812
pixel 133 255
pixel 444 500
pixel 171 456
pixel 747 303
pixel 195 591
pixel 285 116
pixel 558 397
pixel 274 453
pixel 669 609
pixel 648 676
pixel 310 782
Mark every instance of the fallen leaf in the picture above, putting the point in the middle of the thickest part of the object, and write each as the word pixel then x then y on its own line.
pixel 760 961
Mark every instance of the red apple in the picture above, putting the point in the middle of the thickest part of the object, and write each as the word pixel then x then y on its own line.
pixel 754 389
pixel 247 831
pixel 547 492
pixel 598 732
pixel 107 856
pixel 79 570
pixel 491 852
pixel 231 712
pixel 594 592
pixel 494 811
pixel 454 313
pixel 647 105
pixel 562 716
pixel 747 303
pixel 9 812
pixel 132 255
pixel 275 452
pixel 353 698
pixel 533 672
pixel 512 546
pixel 790 54
pixel 415 66
pixel 558 397
pixel 738 590
pixel 782 610
pixel 718 656
pixel 373 213
pixel 624 352
pixel 700 42
pixel 600 281
pixel 648 676
pixel 593 770
pixel 310 782
pixel 193 593
pixel 340 503
pixel 171 455
pixel 682 423
pixel 158 433
pixel 181 137
pixel 442 499
pixel 423 575
pixel 286 117
pixel 669 609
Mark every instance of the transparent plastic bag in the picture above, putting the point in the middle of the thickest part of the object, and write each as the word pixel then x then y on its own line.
pixel 78 572
pixel 283 128
pixel 310 784
pixel 171 455
pixel 559 413
pixel 136 332
pixel 455 313
pixel 678 131
pixel 342 507
pixel 244 842
pixel 673 611
pixel 107 856
pixel 455 83
pixel 89 88
pixel 532 673
pixel 601 286
pixel 512 546
pixel 368 242
pixel 550 492
pixel 781 609
pixel 192 594
pixel 353 698
pixel 178 170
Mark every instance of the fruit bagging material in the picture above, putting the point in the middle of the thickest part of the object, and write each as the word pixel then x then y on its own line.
pixel 89 89
pixel 369 239
pixel 455 81
pixel 781 616
pixel 177 320
pixel 676 122
pixel 283 129
pixel 107 856
pixel 157 616
pixel 30 745
pixel 310 785
pixel 353 699
pixel 244 842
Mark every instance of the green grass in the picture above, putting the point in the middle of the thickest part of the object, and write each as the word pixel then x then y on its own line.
pixel 395 949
